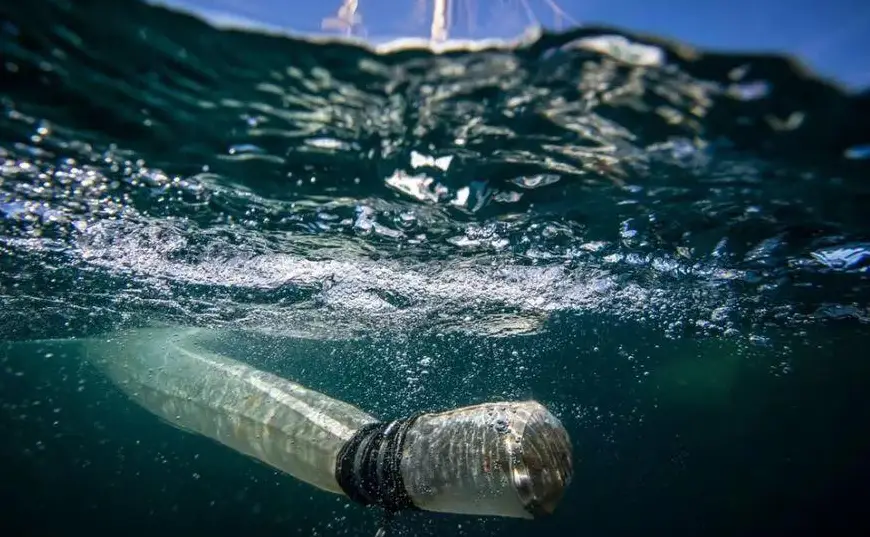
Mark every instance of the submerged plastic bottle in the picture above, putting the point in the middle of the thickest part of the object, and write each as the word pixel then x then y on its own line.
pixel 509 459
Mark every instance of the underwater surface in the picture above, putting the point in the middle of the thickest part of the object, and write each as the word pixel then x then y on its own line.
pixel 668 248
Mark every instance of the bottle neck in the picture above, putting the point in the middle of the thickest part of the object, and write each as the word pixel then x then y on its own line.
pixel 368 467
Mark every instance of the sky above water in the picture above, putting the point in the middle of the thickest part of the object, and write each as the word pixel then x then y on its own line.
pixel 829 36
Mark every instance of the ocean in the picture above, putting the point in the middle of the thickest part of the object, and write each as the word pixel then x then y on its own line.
pixel 668 248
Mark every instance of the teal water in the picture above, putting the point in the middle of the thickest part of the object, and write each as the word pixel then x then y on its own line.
pixel 668 248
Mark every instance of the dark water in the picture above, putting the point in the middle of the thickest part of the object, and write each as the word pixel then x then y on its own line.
pixel 669 249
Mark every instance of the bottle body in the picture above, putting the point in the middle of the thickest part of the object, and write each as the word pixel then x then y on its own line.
pixel 168 372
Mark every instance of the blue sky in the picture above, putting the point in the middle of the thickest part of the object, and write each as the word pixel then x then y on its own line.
pixel 826 35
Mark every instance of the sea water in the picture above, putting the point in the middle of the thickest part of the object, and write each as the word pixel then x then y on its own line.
pixel 666 247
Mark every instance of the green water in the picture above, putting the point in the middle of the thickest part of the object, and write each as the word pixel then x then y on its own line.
pixel 669 251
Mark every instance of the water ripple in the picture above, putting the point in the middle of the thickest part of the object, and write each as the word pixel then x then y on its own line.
pixel 215 176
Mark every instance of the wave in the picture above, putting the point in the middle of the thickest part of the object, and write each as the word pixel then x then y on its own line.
pixel 159 168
